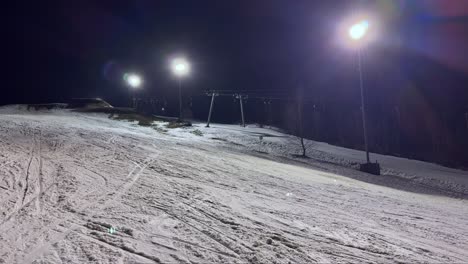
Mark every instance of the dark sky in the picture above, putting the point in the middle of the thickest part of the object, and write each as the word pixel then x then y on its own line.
pixel 61 49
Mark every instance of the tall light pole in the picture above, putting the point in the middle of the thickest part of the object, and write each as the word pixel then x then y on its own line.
pixel 181 68
pixel 357 33
pixel 134 81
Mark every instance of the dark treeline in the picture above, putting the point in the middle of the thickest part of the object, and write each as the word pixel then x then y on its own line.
pixel 406 129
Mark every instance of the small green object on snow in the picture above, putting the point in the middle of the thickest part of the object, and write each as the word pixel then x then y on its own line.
pixel 111 230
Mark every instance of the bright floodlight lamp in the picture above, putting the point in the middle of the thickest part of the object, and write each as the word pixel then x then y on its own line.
pixel 180 67
pixel 133 80
pixel 359 30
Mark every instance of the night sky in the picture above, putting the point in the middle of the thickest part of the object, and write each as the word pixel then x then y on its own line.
pixel 56 50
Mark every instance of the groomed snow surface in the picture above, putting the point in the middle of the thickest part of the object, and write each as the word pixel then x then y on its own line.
pixel 82 188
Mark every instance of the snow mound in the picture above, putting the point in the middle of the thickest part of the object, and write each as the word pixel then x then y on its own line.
pixel 89 103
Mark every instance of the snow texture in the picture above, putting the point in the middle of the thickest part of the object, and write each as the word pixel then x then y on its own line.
pixel 82 188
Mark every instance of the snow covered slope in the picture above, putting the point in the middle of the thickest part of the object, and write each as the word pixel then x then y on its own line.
pixel 81 188
pixel 413 174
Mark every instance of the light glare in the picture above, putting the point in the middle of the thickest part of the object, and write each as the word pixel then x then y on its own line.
pixel 180 67
pixel 133 80
pixel 359 30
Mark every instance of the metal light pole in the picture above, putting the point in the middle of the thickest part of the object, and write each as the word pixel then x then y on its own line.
pixel 180 99
pixel 242 109
pixel 363 106
pixel 213 94
pixel 180 68
pixel 466 118
pixel 357 33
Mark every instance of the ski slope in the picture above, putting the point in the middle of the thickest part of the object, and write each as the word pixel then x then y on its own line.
pixel 82 188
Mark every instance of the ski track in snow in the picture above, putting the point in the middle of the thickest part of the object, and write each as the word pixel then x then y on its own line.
pixel 224 197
